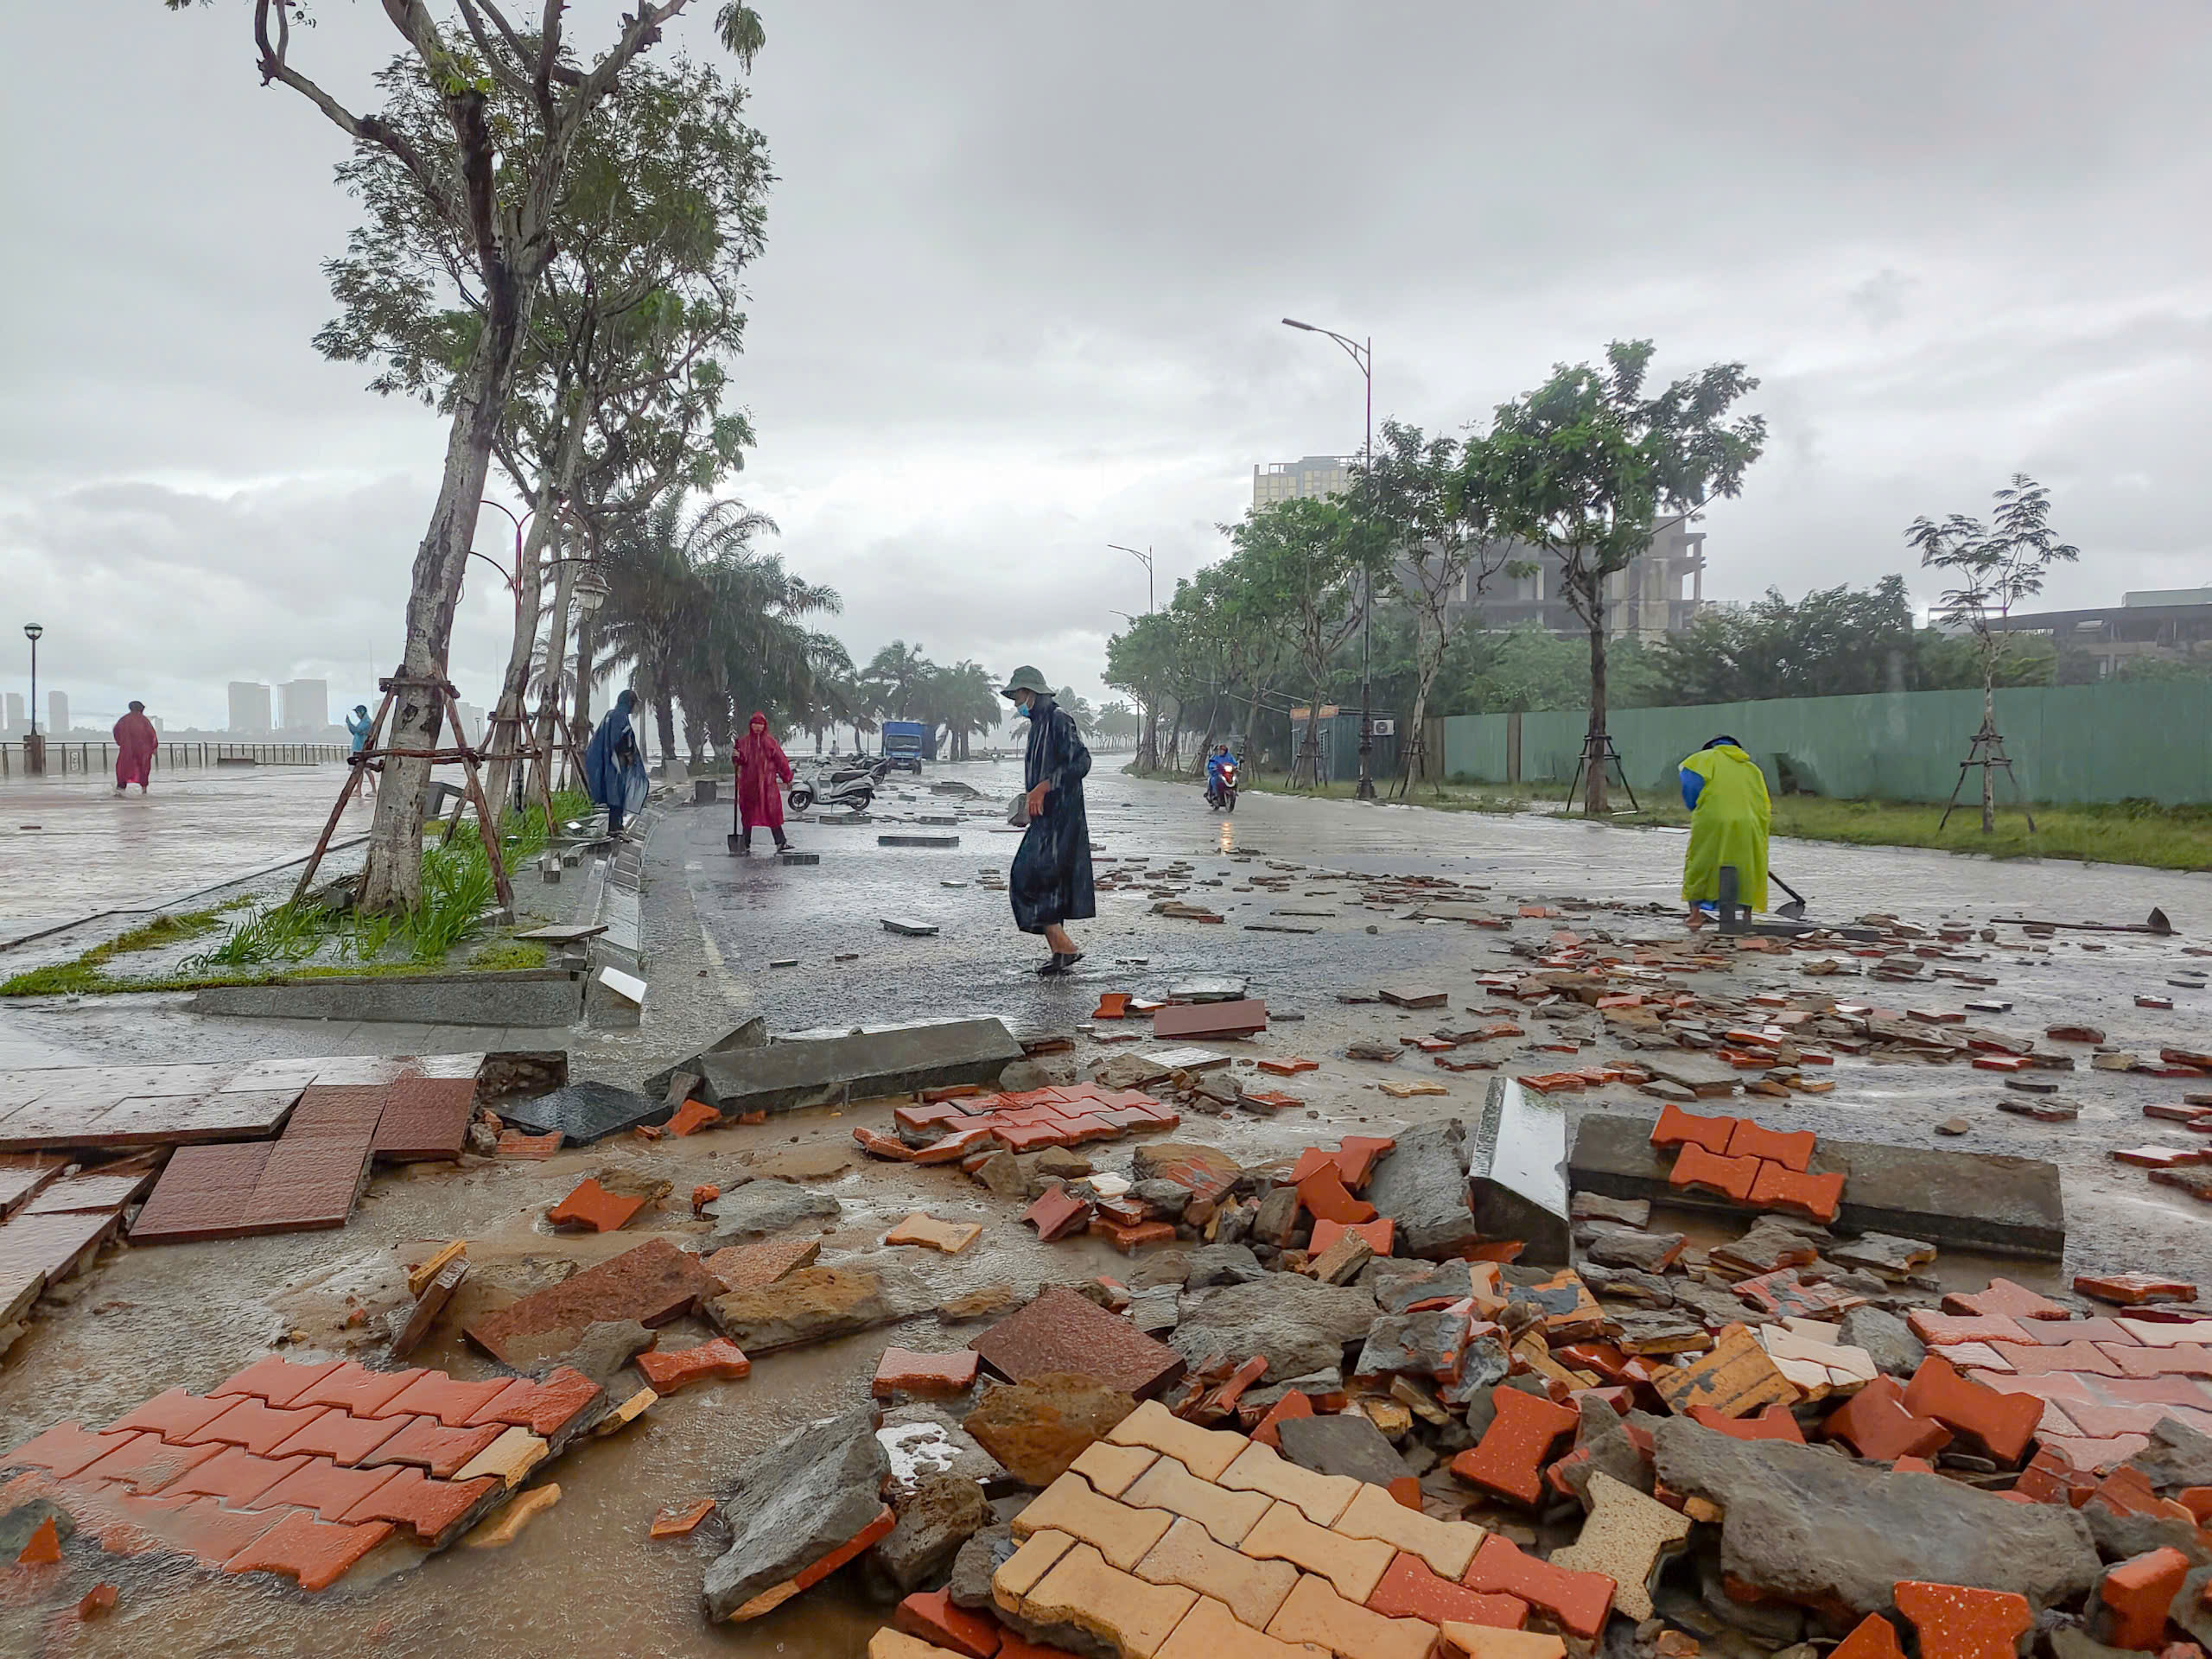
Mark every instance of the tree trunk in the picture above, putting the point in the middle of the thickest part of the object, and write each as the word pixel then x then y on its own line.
pixel 664 723
pixel 509 712
pixel 580 719
pixel 392 877
pixel 1988 772
pixel 1595 801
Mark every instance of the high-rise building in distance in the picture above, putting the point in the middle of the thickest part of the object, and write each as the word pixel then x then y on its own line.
pixel 57 712
pixel 303 705
pixel 14 714
pixel 248 708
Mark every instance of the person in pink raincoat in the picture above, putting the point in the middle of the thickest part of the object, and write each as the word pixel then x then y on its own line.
pixel 135 739
pixel 763 773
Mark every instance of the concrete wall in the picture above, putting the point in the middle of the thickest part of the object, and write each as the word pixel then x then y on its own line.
pixel 2070 745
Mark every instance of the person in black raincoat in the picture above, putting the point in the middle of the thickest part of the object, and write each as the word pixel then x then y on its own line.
pixel 1050 884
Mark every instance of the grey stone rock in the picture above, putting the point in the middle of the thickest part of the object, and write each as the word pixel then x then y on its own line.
pixel 1276 1219
pixel 1888 1340
pixel 936 1514
pixel 1155 1311
pixel 2120 1537
pixel 976 1561
pixel 1002 1173
pixel 1885 1254
pixel 1482 1410
pixel 1168 1200
pixel 1767 1244
pixel 1605 1437
pixel 1627 1284
pixel 1160 1269
pixel 829 1069
pixel 811 1493
pixel 1771 1622
pixel 2178 1456
pixel 1419 1344
pixel 1223 1264
pixel 598 1350
pixel 1622 1247
pixel 1328 1381
pixel 1806 1524
pixel 1299 1324
pixel 922 1439
pixel 1482 1367
pixel 1020 1075
pixel 759 1208
pixel 1344 1444
pixel 2070 1641
pixel 1421 1185
pixel 1400 1284
pixel 2188 1610
pixel 1595 1206
pixel 814 1304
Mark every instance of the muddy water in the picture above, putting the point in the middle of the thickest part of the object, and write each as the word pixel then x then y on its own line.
pixel 584 1577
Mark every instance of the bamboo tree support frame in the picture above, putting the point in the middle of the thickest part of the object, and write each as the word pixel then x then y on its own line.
pixel 372 754
pixel 1987 751
pixel 1603 752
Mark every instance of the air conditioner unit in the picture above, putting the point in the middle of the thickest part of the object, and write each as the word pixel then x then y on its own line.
pixel 1383 728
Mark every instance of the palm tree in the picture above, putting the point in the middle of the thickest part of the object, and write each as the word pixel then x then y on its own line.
pixel 968 703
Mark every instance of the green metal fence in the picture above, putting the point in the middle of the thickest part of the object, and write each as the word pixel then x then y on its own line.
pixel 2070 745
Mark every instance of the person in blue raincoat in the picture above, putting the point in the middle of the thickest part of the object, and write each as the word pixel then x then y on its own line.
pixel 614 771
pixel 1049 883
pixel 358 725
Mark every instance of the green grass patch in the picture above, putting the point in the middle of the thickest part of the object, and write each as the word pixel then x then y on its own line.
pixel 506 955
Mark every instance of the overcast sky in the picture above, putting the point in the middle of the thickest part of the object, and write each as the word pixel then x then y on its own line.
pixel 1025 267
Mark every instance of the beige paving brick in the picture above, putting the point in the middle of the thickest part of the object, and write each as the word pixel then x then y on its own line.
pixel 1110 1468
pixel 1204 1451
pixel 1488 1642
pixel 1209 1630
pixel 1355 1566
pixel 1036 1557
pixel 1446 1546
pixel 1320 1498
pixel 887 1643
pixel 1313 1612
pixel 1250 1589
pixel 1083 1591
pixel 511 1457
pixel 1119 1532
pixel 1624 1539
pixel 1168 1485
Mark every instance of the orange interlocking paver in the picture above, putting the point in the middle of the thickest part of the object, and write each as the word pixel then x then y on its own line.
pixel 449 1399
pixel 148 1463
pixel 1873 1638
pixel 1320 1498
pixel 1294 1404
pixel 336 1436
pixel 1458 1640
pixel 1446 1546
pixel 1354 1565
pixel 355 1388
pixel 275 1379
pixel 668 1370
pixel 202 1528
pixel 1677 1127
pixel 1509 1460
pixel 1792 1149
pixel 1577 1601
pixel 1205 1452
pixel 544 1408
pixel 2004 1423
pixel 692 1117
pixel 430 1444
pixel 427 1507
pixel 1250 1588
pixel 930 1617
pixel 1819 1197
pixel 236 1476
pixel 1121 1533
pixel 1698 1170
pixel 316 1553
pixel 1168 1485
pixel 1939 1329
pixel 251 1424
pixel 327 1488
pixel 1313 1612
pixel 2004 1297
pixel 1325 1198
pixel 173 1413
pixel 1288 1068
pixel 1408 1589
pixel 1380 1235
pixel 2138 1593
pixel 64 1449
pixel 1876 1424
pixel 592 1208
pixel 1084 1590
pixel 1957 1622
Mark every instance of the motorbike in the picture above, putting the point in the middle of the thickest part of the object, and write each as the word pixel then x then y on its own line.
pixel 843 790
pixel 1221 792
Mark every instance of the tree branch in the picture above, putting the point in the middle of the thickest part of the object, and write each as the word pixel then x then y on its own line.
pixel 507 75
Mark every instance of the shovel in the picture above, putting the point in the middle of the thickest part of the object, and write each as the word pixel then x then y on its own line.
pixel 1795 910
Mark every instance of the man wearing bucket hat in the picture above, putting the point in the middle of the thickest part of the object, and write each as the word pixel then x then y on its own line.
pixel 1050 884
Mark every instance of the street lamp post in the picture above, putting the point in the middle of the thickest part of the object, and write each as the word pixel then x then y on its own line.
pixel 1148 746
pixel 1361 353
pixel 33 753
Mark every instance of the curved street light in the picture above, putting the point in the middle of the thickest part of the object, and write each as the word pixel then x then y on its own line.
pixel 32 631
pixel 1361 353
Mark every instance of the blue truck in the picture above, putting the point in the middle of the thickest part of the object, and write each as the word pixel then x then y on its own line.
pixel 907 743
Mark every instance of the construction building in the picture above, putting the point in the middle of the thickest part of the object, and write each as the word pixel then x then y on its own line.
pixel 303 706
pixel 249 708
pixel 2165 624
pixel 1658 595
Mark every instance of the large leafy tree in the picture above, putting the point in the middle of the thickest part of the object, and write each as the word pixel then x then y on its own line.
pixel 498 188
pixel 619 381
pixel 1586 465
pixel 1836 641
pixel 1304 559
pixel 1427 500
pixel 1994 566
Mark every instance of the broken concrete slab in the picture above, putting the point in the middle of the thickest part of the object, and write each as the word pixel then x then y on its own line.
pixel 1038 1428
pixel 653 1284
pixel 1211 1022
pixel 1517 1171
pixel 1346 1443
pixel 1421 1185
pixel 1062 1333
pixel 2179 1456
pixel 922 1439
pixel 1299 1324
pixel 802 1509
pixel 585 1112
pixel 761 1208
pixel 1804 1524
pixel 813 1071
pixel 598 1350
pixel 1972 1200
pixel 932 1517
pixel 1886 1339
pixel 815 1304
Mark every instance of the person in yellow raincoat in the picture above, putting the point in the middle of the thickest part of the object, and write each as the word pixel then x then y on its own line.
pixel 1729 811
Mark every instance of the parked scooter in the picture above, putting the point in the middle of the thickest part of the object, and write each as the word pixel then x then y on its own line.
pixel 1221 792
pixel 842 791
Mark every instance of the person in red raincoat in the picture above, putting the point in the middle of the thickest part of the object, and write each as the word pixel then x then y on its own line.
pixel 135 739
pixel 763 773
